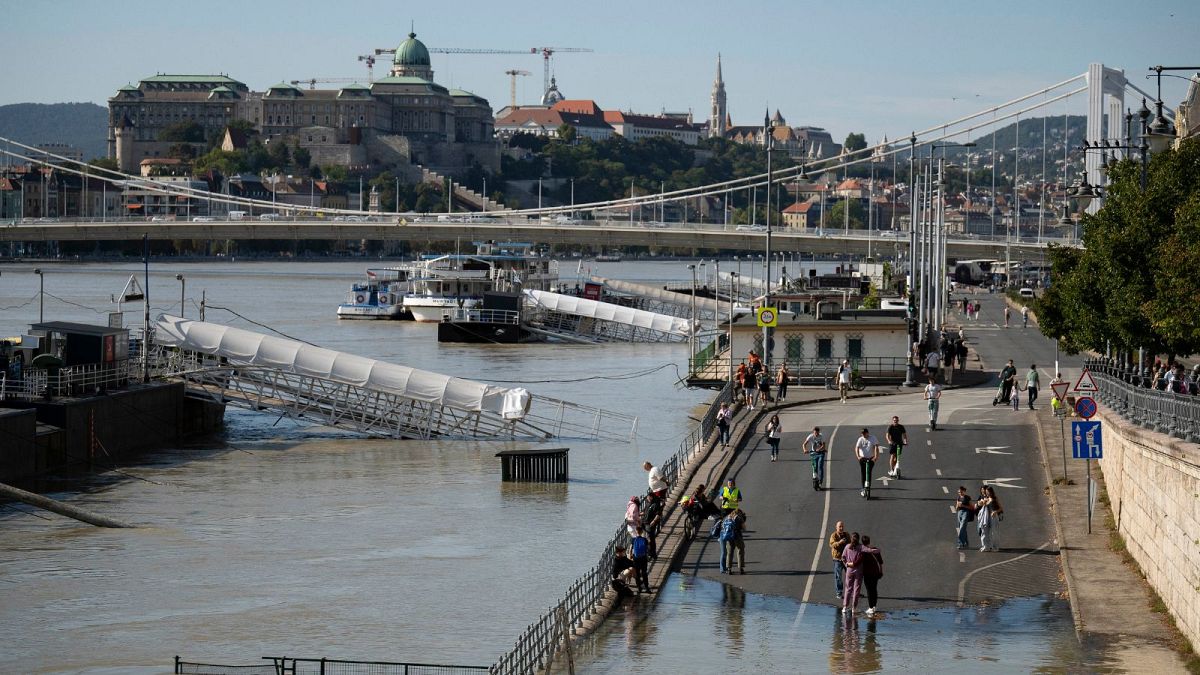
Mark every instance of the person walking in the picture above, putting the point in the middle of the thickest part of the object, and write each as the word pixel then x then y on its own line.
pixel 774 433
pixel 640 548
pixel 933 396
pixel 731 497
pixel 964 512
pixel 1031 385
pixel 839 539
pixel 764 387
pixel 633 515
pixel 731 543
pixel 1007 314
pixel 814 447
pixel 724 419
pixel 961 346
pixel 843 380
pixel 1024 317
pixel 866 451
pixel 1008 377
pixel 872 567
pixel 933 363
pixel 852 557
pixel 740 384
pixel 1016 394
pixel 897 438
pixel 990 513
pixel 781 380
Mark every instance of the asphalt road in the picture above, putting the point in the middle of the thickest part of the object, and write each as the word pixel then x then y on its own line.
pixel 909 519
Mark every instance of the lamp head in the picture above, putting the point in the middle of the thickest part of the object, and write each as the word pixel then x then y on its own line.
pixel 37 271
pixel 178 277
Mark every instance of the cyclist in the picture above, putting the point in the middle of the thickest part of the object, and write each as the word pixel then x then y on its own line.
pixel 814 446
pixel 866 451
pixel 897 438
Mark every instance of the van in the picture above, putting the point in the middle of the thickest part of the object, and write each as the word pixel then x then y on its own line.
pixel 1026 292
pixel 237 215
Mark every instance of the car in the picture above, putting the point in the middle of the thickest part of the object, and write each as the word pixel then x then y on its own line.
pixel 270 216
pixel 1026 292
pixel 203 219
pixel 751 228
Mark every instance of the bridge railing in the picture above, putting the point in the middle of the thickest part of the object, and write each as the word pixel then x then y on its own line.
pixel 1166 412
pixel 536 647
pixel 286 665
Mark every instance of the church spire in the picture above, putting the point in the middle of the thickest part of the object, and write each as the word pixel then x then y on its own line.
pixel 718 119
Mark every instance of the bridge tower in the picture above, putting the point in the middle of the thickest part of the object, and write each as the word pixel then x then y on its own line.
pixel 1106 97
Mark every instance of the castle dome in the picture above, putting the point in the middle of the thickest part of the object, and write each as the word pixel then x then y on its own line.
pixel 411 52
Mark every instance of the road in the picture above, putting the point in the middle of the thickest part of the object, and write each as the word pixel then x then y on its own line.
pixel 909 519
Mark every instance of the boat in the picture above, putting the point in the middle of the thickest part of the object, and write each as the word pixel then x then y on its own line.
pixel 609 257
pixel 497 320
pixel 443 284
pixel 380 296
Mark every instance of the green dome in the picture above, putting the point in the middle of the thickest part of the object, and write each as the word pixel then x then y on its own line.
pixel 411 52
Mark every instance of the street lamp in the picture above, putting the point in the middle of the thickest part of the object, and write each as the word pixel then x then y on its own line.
pixel 692 339
pixel 732 278
pixel 182 293
pixel 41 295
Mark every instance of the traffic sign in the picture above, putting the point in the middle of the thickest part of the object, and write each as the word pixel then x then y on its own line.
pixel 1085 407
pixel 1060 390
pixel 767 317
pixel 1086 383
pixel 1086 440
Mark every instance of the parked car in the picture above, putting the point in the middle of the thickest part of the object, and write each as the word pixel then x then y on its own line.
pixel 203 219
pixel 1026 292
pixel 270 216
pixel 751 228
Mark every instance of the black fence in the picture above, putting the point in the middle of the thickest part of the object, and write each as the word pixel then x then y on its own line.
pixel 286 665
pixel 1165 412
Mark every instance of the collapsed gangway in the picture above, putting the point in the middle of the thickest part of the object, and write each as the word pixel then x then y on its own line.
pixel 297 380
pixel 570 316
pixel 663 301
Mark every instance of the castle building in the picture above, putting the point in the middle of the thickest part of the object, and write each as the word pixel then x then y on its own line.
pixel 404 118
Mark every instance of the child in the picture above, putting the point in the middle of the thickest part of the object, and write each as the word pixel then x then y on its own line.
pixel 640 548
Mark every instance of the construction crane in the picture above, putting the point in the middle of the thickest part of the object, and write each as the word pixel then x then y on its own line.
pixel 370 61
pixel 312 81
pixel 512 90
pixel 546 53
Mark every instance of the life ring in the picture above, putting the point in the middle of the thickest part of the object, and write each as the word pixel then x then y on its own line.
pixel 383 298
pixel 359 299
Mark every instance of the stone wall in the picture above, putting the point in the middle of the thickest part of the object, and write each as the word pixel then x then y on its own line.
pixel 1154 487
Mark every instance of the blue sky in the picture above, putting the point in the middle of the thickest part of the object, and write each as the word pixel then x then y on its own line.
pixel 872 67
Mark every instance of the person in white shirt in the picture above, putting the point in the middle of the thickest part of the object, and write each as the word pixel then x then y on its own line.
pixel 866 451
pixel 657 485
pixel 933 362
pixel 843 376
pixel 933 392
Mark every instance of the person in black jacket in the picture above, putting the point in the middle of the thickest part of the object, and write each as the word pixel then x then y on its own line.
pixel 622 571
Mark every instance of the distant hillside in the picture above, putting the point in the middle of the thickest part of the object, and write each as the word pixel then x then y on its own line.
pixel 83 125
pixel 1031 133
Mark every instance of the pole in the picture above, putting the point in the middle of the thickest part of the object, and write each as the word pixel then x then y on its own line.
pixel 1062 433
pixel 767 296
pixel 146 310
pixel 692 340
pixel 485 194
pixel 539 193
pixel 732 277
pixel 182 293
pixel 41 296
pixel 203 302
pixel 1087 494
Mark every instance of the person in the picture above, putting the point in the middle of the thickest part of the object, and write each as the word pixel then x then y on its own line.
pixel 838 541
pixel 640 548
pixel 843 379
pixel 740 380
pixel 658 486
pixel 633 515
pixel 764 387
pixel 872 567
pixel 622 573
pixel 814 446
pixel 866 451
pixel 781 380
pixel 949 352
pixel 724 417
pixel 1031 385
pixel 964 512
pixel 897 438
pixel 1007 313
pixel 933 362
pixel 731 497
pixel 852 558
pixel 774 432
pixel 1008 377
pixel 990 514
pixel 933 394
pixel 1016 394
pixel 702 504
pixel 731 542
pixel 1024 317
pixel 961 347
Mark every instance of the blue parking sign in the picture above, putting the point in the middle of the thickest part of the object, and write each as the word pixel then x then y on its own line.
pixel 1086 440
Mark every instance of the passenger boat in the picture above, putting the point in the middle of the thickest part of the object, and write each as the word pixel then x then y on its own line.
pixel 615 256
pixel 381 296
pixel 442 284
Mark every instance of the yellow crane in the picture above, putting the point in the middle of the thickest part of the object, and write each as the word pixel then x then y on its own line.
pixel 512 89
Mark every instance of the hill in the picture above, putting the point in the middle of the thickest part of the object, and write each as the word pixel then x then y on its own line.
pixel 83 125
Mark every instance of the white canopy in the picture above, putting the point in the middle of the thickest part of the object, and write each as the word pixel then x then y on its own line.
pixel 244 347
pixel 661 294
pixel 607 311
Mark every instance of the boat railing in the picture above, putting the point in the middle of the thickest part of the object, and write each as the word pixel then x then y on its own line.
pixel 479 315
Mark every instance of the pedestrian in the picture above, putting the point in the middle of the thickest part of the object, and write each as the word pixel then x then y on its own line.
pixel 774 432
pixel 731 497
pixel 933 395
pixel 640 548
pixel 866 451
pixel 872 567
pixel 658 486
pixel 782 381
pixel 949 351
pixel 1031 385
pixel 990 513
pixel 964 513
pixel 852 557
pixel 1008 377
pixel 838 541
pixel 633 515
pixel 961 347
pixel 764 387
pixel 1016 394
pixel 843 380
pixel 1007 313
pixel 724 418
pixel 731 542
pixel 814 446
pixel 740 380
pixel 1024 317
pixel 933 362
pixel 622 574
pixel 897 438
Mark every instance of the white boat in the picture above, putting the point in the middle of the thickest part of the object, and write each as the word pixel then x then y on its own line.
pixel 381 296
pixel 446 283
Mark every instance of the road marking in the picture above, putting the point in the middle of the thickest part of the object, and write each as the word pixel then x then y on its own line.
pixel 962 557
pixel 929 443
pixel 932 456
pixel 1003 482
pixel 993 450
pixel 884 480
pixel 939 471
pixel 945 490
pixel 816 561
pixel 985 423
pixel 962 585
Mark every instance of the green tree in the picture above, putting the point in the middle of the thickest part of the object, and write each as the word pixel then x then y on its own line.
pixel 302 157
pixel 184 151
pixel 335 173
pixel 104 163
pixel 567 133
pixel 836 219
pixel 280 156
pixel 855 142
pixel 186 131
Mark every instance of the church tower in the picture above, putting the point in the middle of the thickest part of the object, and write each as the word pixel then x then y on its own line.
pixel 719 119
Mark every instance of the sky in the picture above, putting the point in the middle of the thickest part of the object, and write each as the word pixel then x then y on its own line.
pixel 878 68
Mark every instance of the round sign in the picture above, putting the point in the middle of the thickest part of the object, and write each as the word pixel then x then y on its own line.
pixel 1085 407
pixel 767 316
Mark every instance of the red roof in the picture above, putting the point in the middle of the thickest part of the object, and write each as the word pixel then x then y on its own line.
pixel 802 207
pixel 581 106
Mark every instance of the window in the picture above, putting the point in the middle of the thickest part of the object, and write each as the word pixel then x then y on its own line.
pixel 854 347
pixel 794 348
pixel 824 347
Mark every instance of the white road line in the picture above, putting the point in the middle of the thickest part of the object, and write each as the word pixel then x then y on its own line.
pixel 939 471
pixel 929 443
pixel 962 558
pixel 816 561
pixel 962 585
pixel 945 489
pixel 932 456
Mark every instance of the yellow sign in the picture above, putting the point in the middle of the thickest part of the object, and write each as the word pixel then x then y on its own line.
pixel 767 317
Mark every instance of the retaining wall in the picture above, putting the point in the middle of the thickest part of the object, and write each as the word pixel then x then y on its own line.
pixel 1153 485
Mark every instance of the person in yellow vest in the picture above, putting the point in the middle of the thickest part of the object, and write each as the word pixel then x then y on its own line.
pixel 731 497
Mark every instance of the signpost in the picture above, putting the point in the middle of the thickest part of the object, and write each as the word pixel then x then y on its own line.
pixel 1087 443
pixel 1086 383
pixel 767 317
pixel 1085 407
pixel 1060 390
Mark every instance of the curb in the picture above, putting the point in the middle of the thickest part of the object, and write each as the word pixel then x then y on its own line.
pixel 1076 615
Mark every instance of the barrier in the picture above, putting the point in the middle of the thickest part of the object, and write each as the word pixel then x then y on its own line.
pixel 1165 412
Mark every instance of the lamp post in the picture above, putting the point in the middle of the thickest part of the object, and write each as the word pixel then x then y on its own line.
pixel 484 201
pixel 732 277
pixel 182 293
pixel 41 295
pixel 692 338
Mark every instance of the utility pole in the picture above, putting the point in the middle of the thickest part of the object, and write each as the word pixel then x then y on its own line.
pixel 770 140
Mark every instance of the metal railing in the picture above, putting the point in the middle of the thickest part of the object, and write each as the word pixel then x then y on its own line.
pixel 1166 412
pixel 483 315
pixel 286 665
pixel 536 647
